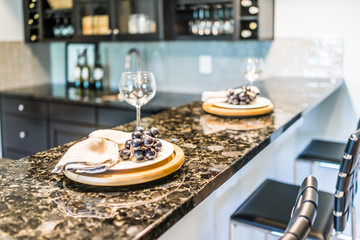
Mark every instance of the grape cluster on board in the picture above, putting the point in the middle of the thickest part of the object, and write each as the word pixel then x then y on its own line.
pixel 142 145
pixel 242 96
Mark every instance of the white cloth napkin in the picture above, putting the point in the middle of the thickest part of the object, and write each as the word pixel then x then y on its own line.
pixel 96 154
pixel 219 96
pixel 213 96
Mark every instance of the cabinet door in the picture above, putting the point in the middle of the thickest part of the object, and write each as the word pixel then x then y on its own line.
pixel 14 154
pixel 94 20
pixel 24 134
pixel 109 117
pixel 139 19
pixel 61 133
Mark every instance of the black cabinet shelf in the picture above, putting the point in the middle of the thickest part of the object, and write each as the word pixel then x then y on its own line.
pixel 219 19
pixel 151 20
pixel 205 37
pixel 97 20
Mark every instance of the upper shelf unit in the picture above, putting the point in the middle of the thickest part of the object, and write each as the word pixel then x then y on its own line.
pixel 144 20
pixel 93 20
pixel 220 19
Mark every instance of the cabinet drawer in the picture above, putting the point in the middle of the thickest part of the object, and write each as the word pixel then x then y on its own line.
pixel 21 106
pixel 14 154
pixel 75 113
pixel 25 134
pixel 113 117
pixel 61 133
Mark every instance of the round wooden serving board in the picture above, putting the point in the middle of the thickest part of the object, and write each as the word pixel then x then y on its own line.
pixel 227 112
pixel 110 178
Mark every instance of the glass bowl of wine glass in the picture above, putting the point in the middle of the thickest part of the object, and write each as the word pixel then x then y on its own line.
pixel 137 89
pixel 252 68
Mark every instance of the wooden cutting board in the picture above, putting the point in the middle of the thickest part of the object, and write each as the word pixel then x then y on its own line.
pixel 210 108
pixel 129 178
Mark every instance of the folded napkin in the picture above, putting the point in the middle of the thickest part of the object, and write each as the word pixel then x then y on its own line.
pixel 213 96
pixel 219 96
pixel 96 154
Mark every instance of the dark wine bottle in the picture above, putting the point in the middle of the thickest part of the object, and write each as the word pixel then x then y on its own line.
pixel 85 71
pixel 98 73
pixel 77 72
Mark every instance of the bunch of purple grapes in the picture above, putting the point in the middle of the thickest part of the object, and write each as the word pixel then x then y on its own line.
pixel 242 96
pixel 143 144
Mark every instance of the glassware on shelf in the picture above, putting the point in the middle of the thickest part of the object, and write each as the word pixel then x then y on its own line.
pixel 56 29
pixel 67 30
pixel 192 23
pixel 207 20
pixel 217 24
pixel 252 68
pixel 137 89
pixel 229 23
pixel 200 22
pixel 141 23
pixel 215 19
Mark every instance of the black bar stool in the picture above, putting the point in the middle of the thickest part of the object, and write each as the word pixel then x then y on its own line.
pixel 321 153
pixel 269 206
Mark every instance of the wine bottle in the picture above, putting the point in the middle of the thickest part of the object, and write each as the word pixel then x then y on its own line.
pixel 85 71
pixel 77 72
pixel 98 73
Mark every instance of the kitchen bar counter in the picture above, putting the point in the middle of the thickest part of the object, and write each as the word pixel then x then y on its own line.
pixel 34 203
pixel 104 98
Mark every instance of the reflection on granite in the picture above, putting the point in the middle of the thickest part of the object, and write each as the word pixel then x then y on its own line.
pixel 34 203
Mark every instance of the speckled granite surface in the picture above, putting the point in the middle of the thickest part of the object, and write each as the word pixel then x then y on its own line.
pixel 35 203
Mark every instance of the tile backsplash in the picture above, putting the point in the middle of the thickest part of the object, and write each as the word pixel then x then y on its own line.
pixel 23 64
pixel 175 64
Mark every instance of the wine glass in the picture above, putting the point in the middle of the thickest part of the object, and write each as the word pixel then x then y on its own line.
pixel 252 68
pixel 137 88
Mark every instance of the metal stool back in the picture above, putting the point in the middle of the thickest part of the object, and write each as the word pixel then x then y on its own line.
pixel 304 211
pixel 346 185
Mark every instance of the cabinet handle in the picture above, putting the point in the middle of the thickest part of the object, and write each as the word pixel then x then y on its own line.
pixel 116 31
pixel 21 107
pixel 22 134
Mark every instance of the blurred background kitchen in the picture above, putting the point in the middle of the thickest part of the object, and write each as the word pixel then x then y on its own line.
pixel 190 46
pixel 42 42
pixel 187 65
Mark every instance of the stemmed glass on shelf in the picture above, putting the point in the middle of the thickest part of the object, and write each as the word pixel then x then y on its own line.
pixel 137 88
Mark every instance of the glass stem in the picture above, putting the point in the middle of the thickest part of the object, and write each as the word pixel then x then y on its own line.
pixel 138 116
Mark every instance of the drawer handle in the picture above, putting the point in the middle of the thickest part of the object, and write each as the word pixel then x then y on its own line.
pixel 21 107
pixel 22 134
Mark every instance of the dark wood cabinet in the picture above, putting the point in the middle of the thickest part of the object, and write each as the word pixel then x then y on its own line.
pixel 148 20
pixel 61 133
pixel 24 127
pixel 93 21
pixel 72 113
pixel 109 117
pixel 30 126
pixel 24 134
pixel 219 19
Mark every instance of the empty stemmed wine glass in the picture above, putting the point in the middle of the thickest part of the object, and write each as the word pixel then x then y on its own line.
pixel 137 88
pixel 252 68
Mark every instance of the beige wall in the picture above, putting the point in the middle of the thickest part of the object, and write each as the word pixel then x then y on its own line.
pixel 325 18
pixel 20 64
pixel 11 21
pixel 23 65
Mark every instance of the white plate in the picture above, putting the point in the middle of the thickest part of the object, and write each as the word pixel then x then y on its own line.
pixel 258 103
pixel 131 164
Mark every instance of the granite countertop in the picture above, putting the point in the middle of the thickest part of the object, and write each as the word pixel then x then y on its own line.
pixel 104 98
pixel 34 203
